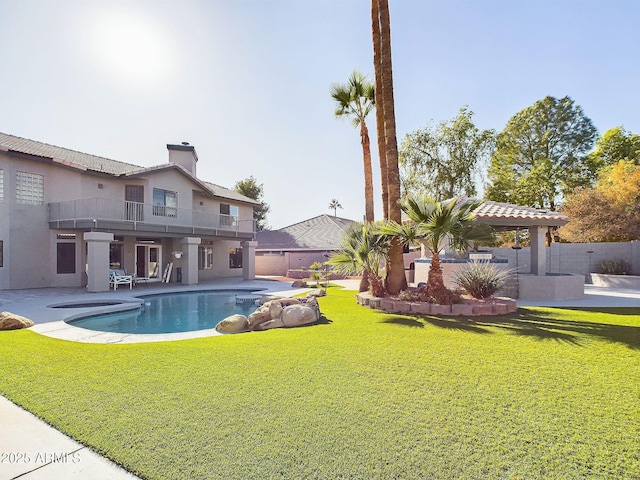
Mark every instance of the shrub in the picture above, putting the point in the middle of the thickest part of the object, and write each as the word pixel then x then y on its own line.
pixel 481 279
pixel 316 266
pixel 614 267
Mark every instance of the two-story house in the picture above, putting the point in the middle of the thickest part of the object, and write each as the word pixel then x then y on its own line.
pixel 67 217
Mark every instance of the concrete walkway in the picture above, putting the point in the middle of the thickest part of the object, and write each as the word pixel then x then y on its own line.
pixel 30 449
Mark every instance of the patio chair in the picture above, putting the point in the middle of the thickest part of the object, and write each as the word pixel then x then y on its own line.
pixel 120 277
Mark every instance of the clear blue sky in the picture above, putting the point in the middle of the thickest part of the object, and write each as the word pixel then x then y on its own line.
pixel 247 81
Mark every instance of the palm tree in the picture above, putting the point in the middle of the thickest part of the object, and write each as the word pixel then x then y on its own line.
pixel 363 251
pixel 381 34
pixel 335 204
pixel 382 153
pixel 355 99
pixel 433 224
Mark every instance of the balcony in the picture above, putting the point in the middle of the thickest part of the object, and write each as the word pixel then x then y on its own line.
pixel 144 218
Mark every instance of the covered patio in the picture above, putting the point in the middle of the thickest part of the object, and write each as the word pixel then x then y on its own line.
pixel 541 224
pixel 538 283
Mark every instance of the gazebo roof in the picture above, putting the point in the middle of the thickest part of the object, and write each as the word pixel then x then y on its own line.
pixel 507 215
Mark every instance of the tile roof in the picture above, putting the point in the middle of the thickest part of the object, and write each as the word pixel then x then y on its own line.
pixel 220 191
pixel 506 213
pixel 89 162
pixel 323 232
pixel 86 161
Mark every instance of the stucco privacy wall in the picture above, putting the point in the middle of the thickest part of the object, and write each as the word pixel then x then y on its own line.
pixel 273 264
pixel 573 257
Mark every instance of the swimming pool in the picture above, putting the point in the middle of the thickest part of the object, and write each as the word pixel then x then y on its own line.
pixel 171 313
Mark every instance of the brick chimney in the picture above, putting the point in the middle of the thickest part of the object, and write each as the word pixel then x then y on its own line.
pixel 184 155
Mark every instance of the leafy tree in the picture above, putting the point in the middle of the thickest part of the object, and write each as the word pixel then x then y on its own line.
pixel 386 128
pixel 441 161
pixel 249 187
pixel 541 154
pixel 435 224
pixel 362 252
pixel 335 205
pixel 614 145
pixel 609 212
pixel 355 99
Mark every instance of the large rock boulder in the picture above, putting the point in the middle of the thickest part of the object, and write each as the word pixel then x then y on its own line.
pixel 275 308
pixel 11 321
pixel 298 315
pixel 284 312
pixel 312 302
pixel 298 284
pixel 273 323
pixel 233 324
pixel 261 315
pixel 288 301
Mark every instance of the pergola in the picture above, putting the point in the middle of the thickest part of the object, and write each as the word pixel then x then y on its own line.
pixel 506 216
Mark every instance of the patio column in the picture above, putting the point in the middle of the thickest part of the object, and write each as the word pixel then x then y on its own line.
pixel 538 254
pixel 189 247
pixel 249 259
pixel 98 260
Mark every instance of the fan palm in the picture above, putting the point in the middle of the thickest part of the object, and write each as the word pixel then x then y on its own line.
pixel 363 251
pixel 433 224
pixel 356 99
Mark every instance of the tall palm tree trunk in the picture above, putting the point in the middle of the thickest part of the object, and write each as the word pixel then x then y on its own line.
pixel 368 177
pixel 382 152
pixel 396 279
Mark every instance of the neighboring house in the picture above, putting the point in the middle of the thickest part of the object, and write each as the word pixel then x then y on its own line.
pixel 67 217
pixel 298 246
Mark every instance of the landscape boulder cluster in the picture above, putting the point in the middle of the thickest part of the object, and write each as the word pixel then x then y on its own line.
pixel 275 312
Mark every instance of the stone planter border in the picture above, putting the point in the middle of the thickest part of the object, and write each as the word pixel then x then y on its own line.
pixel 500 306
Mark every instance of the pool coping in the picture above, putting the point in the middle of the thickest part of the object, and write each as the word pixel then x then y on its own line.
pixel 52 322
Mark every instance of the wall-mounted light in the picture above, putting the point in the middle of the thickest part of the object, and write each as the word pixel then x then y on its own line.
pixel 177 254
pixel 100 186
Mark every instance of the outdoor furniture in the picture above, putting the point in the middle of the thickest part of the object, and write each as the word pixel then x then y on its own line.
pixel 120 277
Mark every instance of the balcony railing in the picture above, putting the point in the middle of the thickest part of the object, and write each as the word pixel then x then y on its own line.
pixel 137 215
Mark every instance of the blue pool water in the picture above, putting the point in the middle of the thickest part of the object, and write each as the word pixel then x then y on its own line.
pixel 171 313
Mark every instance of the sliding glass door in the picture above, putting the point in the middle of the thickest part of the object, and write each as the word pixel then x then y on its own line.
pixel 149 261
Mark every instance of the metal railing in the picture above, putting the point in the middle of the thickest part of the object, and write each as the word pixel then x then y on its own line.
pixel 102 209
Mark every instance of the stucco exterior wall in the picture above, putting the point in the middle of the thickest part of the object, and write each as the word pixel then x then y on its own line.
pixel 221 262
pixel 271 264
pixel 573 257
pixel 279 265
pixel 25 232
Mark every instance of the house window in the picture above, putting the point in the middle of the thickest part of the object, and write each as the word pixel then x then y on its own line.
pixel 66 258
pixel 235 258
pixel 115 255
pixel 1 185
pixel 205 258
pixel 165 203
pixel 229 215
pixel 29 188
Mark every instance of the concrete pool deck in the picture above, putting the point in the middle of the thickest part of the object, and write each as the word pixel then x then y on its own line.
pixel 46 307
pixel 51 454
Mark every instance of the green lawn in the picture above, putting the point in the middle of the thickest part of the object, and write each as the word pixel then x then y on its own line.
pixel 543 393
